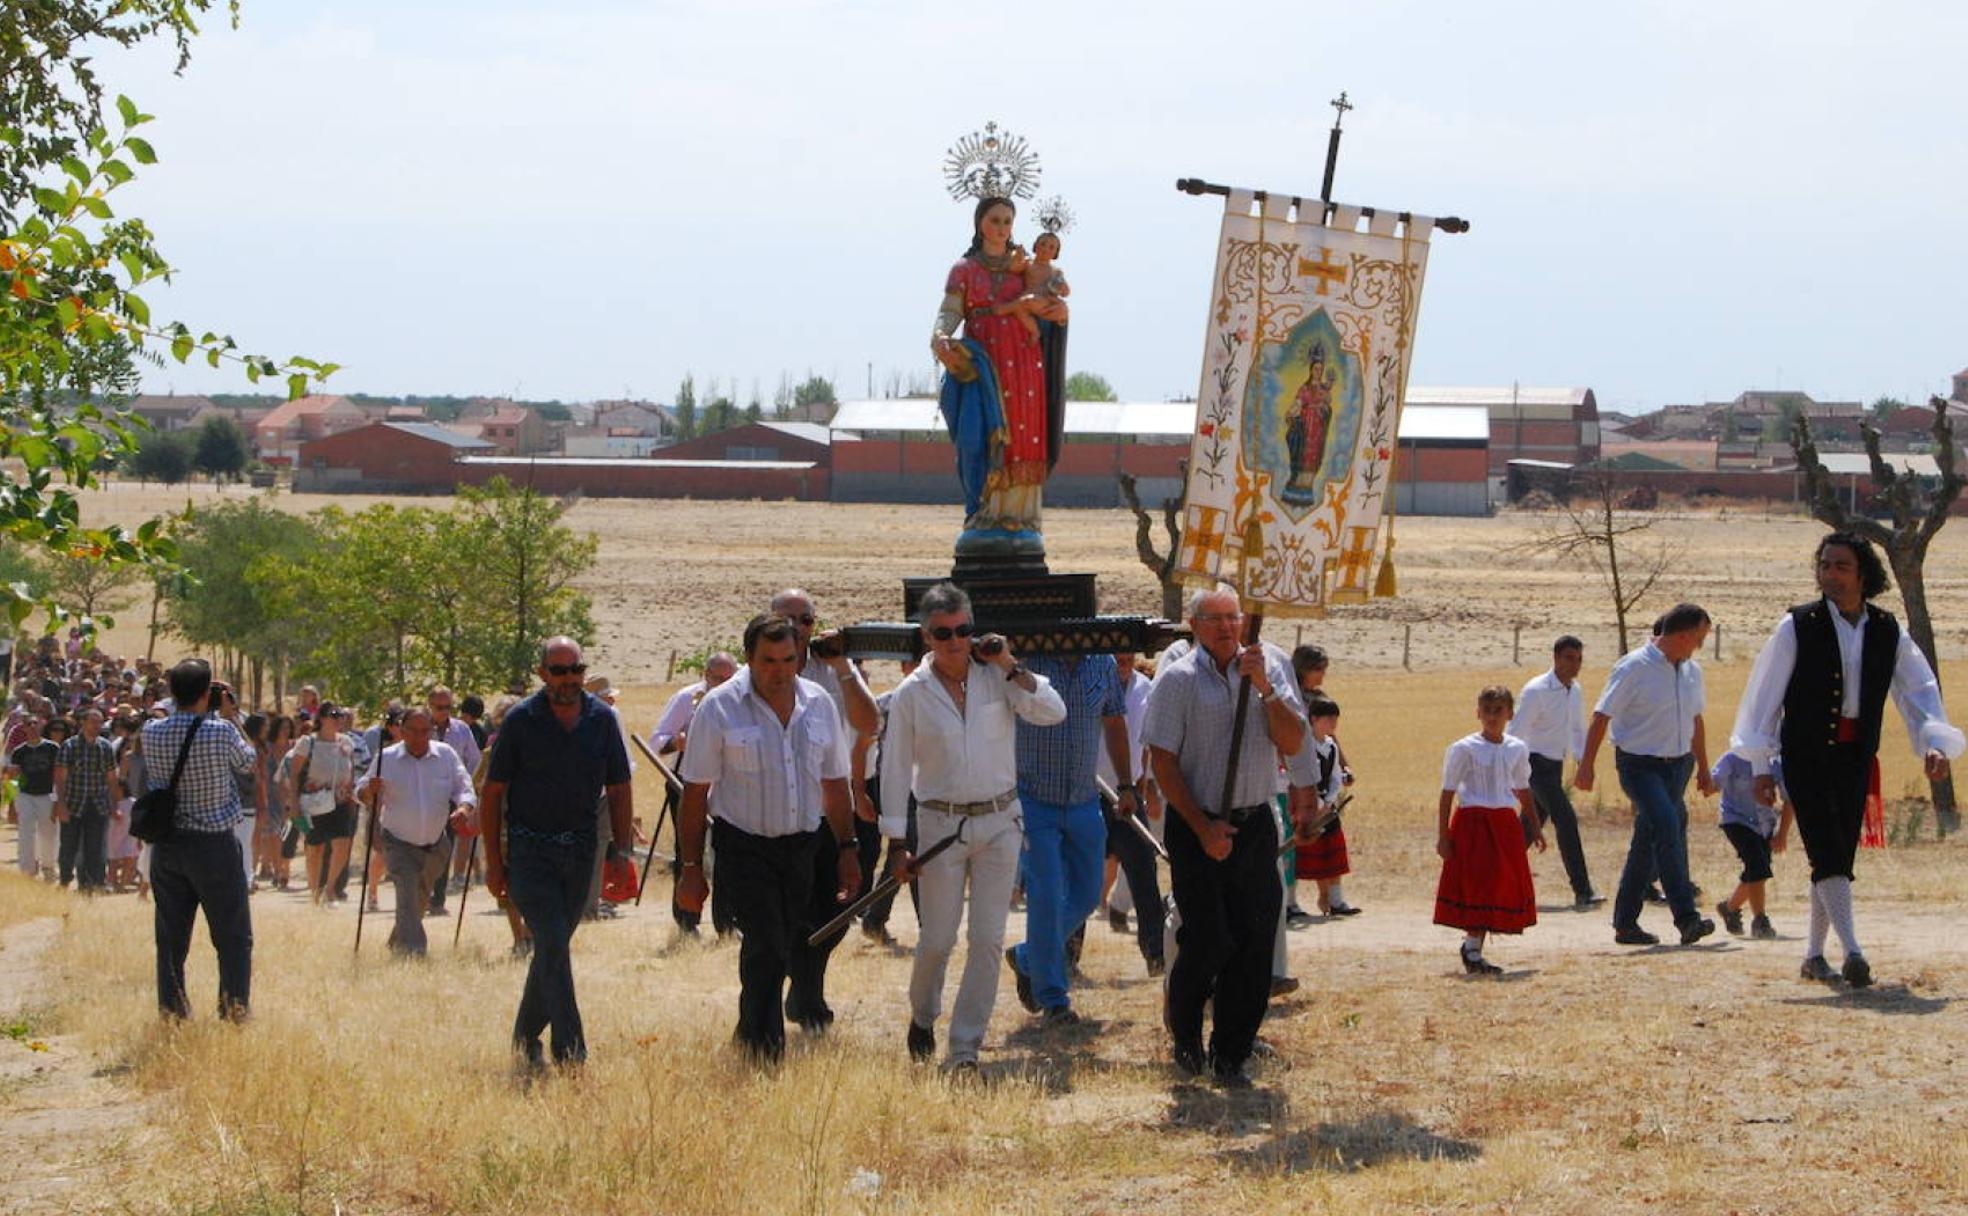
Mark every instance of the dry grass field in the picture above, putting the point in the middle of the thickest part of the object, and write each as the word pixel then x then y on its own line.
pixel 1590 1079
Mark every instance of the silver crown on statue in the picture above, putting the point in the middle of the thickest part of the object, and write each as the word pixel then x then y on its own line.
pixel 991 163
pixel 1055 216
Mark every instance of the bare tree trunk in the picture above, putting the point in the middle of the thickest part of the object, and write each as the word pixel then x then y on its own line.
pixel 1909 572
pixel 1160 565
pixel 1613 562
pixel 156 603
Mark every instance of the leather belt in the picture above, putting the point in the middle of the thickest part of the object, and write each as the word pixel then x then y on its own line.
pixel 989 806
pixel 1237 814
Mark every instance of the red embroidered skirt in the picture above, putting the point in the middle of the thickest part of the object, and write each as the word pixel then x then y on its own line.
pixel 1324 857
pixel 1486 880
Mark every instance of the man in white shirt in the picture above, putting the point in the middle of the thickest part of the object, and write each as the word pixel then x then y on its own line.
pixel 1817 696
pixel 421 790
pixel 1652 707
pixel 456 734
pixel 823 660
pixel 767 763
pixel 950 741
pixel 671 727
pixel 1550 720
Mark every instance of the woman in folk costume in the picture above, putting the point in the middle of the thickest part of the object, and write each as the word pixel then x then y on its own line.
pixel 1003 394
pixel 1816 698
pixel 1486 880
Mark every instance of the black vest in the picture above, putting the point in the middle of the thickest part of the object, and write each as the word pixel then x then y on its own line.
pixel 1816 695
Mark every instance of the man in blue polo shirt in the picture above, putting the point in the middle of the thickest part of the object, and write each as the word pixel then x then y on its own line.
pixel 559 751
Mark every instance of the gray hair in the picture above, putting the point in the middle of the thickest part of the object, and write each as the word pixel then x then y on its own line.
pixel 779 602
pixel 1200 594
pixel 941 599
pixel 558 642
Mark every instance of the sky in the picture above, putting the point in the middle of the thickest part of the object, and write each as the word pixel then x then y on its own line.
pixel 1670 202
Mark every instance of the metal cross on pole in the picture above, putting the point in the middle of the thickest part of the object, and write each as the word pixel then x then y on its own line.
pixel 1340 106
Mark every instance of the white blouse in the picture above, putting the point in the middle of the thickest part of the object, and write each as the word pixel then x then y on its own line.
pixel 1483 773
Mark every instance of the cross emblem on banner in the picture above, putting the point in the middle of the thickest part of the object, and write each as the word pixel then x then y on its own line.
pixel 1324 270
pixel 1354 561
pixel 1203 534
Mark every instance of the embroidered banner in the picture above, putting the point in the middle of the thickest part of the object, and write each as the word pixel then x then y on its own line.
pixel 1305 364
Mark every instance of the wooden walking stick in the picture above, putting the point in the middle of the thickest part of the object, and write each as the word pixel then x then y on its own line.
pixel 886 887
pixel 1253 628
pixel 369 842
pixel 471 854
pixel 675 788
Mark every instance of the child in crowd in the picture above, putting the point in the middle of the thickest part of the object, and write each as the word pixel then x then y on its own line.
pixel 1325 860
pixel 1486 881
pixel 1317 779
pixel 1756 831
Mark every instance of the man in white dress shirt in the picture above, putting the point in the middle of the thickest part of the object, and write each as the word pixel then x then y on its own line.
pixel 767 763
pixel 1816 696
pixel 670 729
pixel 950 741
pixel 1550 720
pixel 1652 707
pixel 422 789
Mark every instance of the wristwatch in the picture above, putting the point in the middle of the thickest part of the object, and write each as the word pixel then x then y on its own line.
pixel 1017 669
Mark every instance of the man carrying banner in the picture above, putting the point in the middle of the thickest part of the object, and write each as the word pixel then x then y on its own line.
pixel 768 761
pixel 1223 859
pixel 950 742
pixel 1816 697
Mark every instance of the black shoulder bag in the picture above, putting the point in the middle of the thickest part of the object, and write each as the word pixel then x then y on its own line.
pixel 154 816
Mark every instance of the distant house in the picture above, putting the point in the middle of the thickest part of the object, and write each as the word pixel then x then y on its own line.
pixel 1557 424
pixel 279 436
pixel 644 418
pixel 170 412
pixel 514 430
pixel 763 441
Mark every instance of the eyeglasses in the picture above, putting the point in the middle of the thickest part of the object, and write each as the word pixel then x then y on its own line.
pixel 804 618
pixel 944 633
pixel 567 669
pixel 1219 618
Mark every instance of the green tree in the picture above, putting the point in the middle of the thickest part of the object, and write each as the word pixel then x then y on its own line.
pixel 686 408
pixel 1883 408
pixel 91 587
pixel 71 319
pixel 234 607
pixel 720 416
pixel 220 450
pixel 165 456
pixel 1089 386
pixel 527 561
pixel 814 391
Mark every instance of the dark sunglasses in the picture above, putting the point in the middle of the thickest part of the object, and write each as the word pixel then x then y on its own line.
pixel 804 618
pixel 567 669
pixel 944 633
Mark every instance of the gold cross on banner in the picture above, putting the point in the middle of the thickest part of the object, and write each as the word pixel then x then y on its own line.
pixel 1355 559
pixel 1203 533
pixel 1324 270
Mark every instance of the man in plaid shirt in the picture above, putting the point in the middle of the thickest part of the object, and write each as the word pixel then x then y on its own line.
pixel 201 865
pixel 85 790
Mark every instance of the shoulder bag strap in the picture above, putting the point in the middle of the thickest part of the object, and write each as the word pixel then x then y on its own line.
pixel 184 753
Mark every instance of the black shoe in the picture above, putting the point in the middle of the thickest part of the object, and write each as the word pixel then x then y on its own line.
pixel 1283 985
pixel 1344 910
pixel 922 1043
pixel 1635 936
pixel 1059 1016
pixel 1474 963
pixel 1023 981
pixel 1229 1077
pixel 813 1021
pixel 1117 920
pixel 1815 968
pixel 1762 930
pixel 1587 902
pixel 1155 963
pixel 1297 917
pixel 1694 929
pixel 1654 896
pixel 1732 918
pixel 879 935
pixel 1189 1060
pixel 1857 972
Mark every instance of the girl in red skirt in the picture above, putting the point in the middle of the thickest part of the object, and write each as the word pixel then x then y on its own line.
pixel 1486 881
pixel 1323 860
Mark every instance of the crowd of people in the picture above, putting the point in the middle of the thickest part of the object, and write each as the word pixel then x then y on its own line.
pixel 982 779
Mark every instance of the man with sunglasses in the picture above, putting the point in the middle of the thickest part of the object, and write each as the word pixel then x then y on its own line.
pixel 1223 853
pixel 950 741
pixel 823 660
pixel 558 752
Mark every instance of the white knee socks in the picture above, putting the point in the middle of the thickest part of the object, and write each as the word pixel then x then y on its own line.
pixel 1335 895
pixel 1814 945
pixel 1837 897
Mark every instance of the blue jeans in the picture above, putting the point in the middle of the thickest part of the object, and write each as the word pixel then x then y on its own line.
pixel 1064 863
pixel 1656 786
pixel 548 883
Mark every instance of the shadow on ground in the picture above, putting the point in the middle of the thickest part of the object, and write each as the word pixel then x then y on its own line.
pixel 1886 998
pixel 1357 1145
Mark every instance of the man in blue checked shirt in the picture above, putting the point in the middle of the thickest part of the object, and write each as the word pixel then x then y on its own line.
pixel 1065 852
pixel 200 865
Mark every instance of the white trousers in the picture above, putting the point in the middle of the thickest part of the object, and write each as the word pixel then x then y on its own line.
pixel 39 833
pixel 985 861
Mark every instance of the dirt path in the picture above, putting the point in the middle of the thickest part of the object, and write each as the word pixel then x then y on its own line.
pixel 62 1110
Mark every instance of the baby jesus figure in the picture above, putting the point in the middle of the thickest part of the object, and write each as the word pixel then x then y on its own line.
pixel 1045 285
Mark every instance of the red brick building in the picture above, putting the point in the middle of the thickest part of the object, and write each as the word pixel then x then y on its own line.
pixel 384 458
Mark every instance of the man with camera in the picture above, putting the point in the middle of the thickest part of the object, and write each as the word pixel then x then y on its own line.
pixel 950 742
pixel 823 660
